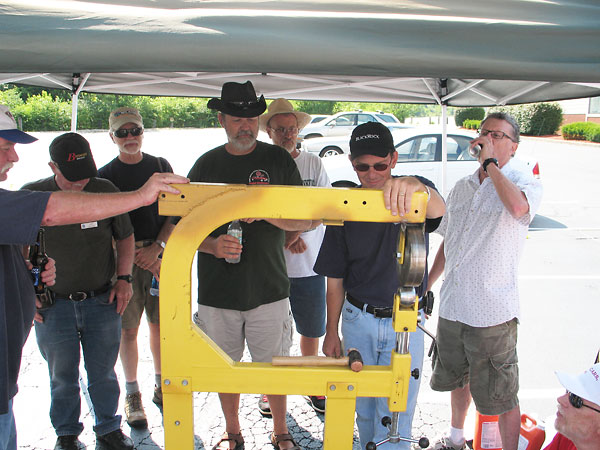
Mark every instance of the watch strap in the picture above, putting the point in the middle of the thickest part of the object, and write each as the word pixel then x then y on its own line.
pixel 128 278
pixel 489 161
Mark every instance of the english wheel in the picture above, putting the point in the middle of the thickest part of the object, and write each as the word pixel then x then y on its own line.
pixel 411 255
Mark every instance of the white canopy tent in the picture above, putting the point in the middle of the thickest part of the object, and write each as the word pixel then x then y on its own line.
pixel 447 52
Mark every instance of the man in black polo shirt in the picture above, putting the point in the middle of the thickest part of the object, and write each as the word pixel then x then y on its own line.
pixel 88 306
pixel 128 171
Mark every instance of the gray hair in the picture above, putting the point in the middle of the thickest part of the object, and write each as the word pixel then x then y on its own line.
pixel 507 118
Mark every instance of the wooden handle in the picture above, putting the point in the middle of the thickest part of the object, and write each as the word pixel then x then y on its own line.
pixel 309 361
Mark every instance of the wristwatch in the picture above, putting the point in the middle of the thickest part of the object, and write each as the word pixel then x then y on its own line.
pixel 127 278
pixel 489 161
pixel 161 243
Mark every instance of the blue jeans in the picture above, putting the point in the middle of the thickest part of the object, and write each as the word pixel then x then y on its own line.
pixel 375 339
pixel 8 431
pixel 95 324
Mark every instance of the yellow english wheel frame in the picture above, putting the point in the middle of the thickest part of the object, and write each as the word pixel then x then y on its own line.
pixel 192 362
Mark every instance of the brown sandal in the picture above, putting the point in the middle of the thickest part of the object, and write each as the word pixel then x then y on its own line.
pixel 277 438
pixel 237 438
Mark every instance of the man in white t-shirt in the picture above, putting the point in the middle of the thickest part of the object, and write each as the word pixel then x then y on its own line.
pixel 307 289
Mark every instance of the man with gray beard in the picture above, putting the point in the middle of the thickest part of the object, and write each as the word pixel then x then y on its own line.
pixel 248 301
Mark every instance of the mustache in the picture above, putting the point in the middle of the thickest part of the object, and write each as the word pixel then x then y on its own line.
pixel 245 133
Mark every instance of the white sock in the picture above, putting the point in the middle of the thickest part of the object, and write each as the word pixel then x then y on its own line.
pixel 457 435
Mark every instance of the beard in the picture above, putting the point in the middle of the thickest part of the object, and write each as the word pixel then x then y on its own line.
pixel 243 141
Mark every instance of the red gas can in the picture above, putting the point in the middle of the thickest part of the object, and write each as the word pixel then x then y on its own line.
pixel 532 435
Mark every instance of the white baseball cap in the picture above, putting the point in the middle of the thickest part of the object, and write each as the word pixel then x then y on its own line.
pixel 585 385
pixel 9 130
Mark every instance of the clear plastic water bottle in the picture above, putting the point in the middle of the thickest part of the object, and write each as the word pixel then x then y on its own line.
pixel 154 287
pixel 235 229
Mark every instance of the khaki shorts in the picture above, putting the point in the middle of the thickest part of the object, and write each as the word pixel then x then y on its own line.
pixel 140 301
pixel 485 358
pixel 266 329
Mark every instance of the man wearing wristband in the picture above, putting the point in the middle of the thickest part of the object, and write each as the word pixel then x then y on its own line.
pixel 359 261
pixel 484 229
pixel 128 171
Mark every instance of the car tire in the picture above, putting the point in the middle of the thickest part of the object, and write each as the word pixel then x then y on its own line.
pixel 313 135
pixel 330 151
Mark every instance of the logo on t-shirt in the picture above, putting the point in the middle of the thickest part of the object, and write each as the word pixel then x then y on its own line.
pixel 259 177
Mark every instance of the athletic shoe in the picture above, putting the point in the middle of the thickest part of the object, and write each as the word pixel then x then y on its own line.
pixel 318 403
pixel 445 443
pixel 264 407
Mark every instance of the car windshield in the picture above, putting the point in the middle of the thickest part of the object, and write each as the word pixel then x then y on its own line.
pixel 387 118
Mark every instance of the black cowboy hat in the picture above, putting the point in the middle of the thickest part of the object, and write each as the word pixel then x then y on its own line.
pixel 239 100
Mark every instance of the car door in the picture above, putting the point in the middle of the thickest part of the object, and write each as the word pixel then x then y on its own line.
pixel 342 125
pixel 416 156
pixel 460 161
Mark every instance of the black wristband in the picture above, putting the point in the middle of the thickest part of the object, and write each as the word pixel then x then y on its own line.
pixel 489 161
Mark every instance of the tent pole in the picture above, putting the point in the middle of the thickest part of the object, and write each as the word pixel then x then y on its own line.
pixel 444 148
pixel 74 105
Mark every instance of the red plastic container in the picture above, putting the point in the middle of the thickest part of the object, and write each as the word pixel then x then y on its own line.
pixel 487 433
pixel 532 435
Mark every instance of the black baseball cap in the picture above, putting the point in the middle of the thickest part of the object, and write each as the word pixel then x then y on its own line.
pixel 72 153
pixel 371 138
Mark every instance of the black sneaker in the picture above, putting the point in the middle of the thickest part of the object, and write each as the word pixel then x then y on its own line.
pixel 115 440
pixel 68 442
pixel 317 402
pixel 264 407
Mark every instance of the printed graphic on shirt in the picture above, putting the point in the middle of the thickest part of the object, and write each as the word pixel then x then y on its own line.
pixel 259 177
pixel 309 182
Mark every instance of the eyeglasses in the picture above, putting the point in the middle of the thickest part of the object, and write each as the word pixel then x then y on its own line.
pixel 495 134
pixel 123 132
pixel 577 402
pixel 379 167
pixel 284 131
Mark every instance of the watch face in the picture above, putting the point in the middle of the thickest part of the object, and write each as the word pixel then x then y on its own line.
pixel 127 278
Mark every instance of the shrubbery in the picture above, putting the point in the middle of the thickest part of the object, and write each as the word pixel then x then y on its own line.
pixel 471 124
pixel 463 114
pixel 584 131
pixel 535 119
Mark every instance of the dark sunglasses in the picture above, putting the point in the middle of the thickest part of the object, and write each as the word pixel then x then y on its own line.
pixel 123 132
pixel 577 402
pixel 379 167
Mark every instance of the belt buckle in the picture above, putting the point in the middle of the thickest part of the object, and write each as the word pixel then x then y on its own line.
pixel 378 311
pixel 78 296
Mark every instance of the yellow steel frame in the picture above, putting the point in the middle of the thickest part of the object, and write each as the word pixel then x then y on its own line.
pixel 191 362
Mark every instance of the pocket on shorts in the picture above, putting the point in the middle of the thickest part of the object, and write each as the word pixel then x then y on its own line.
pixel 504 376
pixel 350 313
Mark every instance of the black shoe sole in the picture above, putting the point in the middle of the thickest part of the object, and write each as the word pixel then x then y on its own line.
pixel 138 424
pixel 265 414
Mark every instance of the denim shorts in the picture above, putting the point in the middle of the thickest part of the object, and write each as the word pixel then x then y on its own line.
pixel 485 358
pixel 307 299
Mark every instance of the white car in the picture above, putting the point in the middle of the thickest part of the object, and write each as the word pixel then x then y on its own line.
pixel 342 124
pixel 420 153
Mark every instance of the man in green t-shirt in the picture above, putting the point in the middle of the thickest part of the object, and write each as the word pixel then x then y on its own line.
pixel 248 301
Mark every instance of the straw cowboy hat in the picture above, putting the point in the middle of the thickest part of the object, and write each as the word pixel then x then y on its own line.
pixel 239 100
pixel 282 106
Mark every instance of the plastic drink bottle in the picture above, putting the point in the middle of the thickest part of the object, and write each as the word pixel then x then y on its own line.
pixel 235 229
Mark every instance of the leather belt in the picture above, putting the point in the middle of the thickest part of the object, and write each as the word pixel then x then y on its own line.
pixel 379 312
pixel 383 313
pixel 80 296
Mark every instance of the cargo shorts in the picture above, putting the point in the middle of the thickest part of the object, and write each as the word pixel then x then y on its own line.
pixel 483 357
